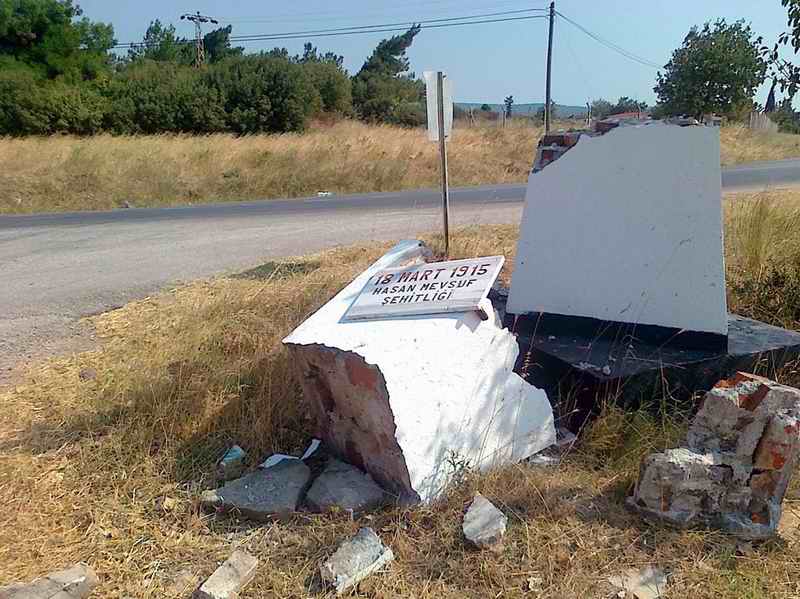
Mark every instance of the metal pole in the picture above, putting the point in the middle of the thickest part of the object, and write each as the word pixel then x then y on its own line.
pixel 443 151
pixel 547 115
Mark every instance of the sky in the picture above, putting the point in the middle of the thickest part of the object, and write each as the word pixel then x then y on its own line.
pixel 485 62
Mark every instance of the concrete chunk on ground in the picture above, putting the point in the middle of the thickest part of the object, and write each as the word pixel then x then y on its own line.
pixel 400 398
pixel 354 560
pixel 230 578
pixel 345 487
pixel 484 525
pixel 76 582
pixel 740 453
pixel 264 494
pixel 646 583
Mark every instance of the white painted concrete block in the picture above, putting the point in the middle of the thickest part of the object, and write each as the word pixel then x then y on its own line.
pixel 627 227
pixel 404 397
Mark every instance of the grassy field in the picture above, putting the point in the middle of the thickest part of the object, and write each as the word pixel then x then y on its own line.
pixel 104 172
pixel 103 454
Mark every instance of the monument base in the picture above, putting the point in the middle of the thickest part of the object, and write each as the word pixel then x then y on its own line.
pixel 578 366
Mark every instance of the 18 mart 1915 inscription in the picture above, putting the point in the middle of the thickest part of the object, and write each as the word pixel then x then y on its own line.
pixel 435 288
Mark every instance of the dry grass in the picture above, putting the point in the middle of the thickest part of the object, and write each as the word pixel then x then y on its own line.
pixel 104 172
pixel 739 144
pixel 107 469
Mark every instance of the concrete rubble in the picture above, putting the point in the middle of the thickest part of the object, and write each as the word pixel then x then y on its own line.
pixel 232 464
pixel 230 578
pixel 401 397
pixel 354 560
pixel 345 487
pixel 735 466
pixel 76 582
pixel 645 583
pixel 484 525
pixel 263 494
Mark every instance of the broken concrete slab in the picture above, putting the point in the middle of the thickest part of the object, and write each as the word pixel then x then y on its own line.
pixel 345 487
pixel 263 494
pixel 741 450
pixel 232 464
pixel 230 578
pixel 645 583
pixel 647 240
pixel 484 525
pixel 354 560
pixel 76 582
pixel 400 397
pixel 639 363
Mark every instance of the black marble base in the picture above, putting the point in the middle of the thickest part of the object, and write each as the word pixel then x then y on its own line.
pixel 578 364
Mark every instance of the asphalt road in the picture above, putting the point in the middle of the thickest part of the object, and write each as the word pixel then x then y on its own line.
pixel 57 268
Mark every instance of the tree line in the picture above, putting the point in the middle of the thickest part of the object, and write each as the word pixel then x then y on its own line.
pixel 58 74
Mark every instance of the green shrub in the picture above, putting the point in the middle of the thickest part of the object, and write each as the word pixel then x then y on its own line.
pixel 264 93
pixel 332 84
pixel 32 105
pixel 151 97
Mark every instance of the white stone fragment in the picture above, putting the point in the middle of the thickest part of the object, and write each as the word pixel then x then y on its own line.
pixel 76 582
pixel 646 583
pixel 627 227
pixel 354 560
pixel 484 525
pixel 404 398
pixel 230 578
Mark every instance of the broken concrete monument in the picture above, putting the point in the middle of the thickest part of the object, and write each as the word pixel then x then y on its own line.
pixel 402 398
pixel 345 487
pixel 76 582
pixel 635 216
pixel 619 279
pixel 484 525
pixel 736 464
pixel 354 560
pixel 263 494
pixel 230 578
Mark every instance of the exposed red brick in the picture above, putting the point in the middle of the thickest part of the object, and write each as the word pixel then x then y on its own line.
pixel 360 373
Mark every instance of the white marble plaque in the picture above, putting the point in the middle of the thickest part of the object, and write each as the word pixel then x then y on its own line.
pixel 433 288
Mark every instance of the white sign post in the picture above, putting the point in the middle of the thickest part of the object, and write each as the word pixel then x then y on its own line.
pixel 439 95
pixel 434 288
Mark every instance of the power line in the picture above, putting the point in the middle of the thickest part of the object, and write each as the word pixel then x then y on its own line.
pixel 383 28
pixel 610 45
pixel 339 15
pixel 401 24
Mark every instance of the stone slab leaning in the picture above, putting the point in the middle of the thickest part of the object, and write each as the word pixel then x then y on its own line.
pixel 736 463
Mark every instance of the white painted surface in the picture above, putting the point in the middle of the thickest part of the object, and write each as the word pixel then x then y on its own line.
pixel 452 286
pixel 431 97
pixel 450 382
pixel 627 227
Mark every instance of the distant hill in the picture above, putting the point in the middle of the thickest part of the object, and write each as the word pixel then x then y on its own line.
pixel 530 109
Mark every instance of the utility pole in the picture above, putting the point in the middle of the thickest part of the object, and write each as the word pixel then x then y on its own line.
pixel 547 115
pixel 198 20
pixel 443 152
